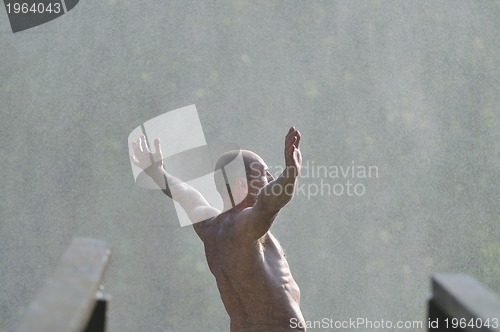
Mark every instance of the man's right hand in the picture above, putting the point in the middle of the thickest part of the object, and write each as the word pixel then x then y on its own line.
pixel 293 156
pixel 143 157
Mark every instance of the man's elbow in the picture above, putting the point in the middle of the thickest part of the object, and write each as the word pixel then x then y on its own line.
pixel 270 204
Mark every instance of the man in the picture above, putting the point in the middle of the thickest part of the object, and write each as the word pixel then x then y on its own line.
pixel 249 264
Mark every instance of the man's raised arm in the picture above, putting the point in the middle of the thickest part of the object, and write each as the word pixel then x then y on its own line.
pixel 277 193
pixel 191 200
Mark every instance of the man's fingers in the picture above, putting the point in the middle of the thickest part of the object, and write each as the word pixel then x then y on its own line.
pixel 157 146
pixel 136 147
pixel 144 144
pixel 297 140
pixel 289 137
pixel 134 160
pixel 293 137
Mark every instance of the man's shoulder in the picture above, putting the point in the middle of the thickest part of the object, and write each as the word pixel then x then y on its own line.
pixel 227 224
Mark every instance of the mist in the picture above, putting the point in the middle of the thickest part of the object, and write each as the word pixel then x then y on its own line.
pixel 397 103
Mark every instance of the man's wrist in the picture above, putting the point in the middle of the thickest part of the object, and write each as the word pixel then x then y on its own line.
pixel 291 172
pixel 154 170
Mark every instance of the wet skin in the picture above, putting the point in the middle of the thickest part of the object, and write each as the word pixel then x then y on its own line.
pixel 249 264
pixel 253 276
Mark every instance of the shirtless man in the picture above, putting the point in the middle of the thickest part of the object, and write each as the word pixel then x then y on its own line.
pixel 249 264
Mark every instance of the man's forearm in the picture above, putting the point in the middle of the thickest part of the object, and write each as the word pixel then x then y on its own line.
pixel 162 179
pixel 187 196
pixel 278 192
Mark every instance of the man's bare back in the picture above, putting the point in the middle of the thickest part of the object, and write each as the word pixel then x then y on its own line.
pixel 249 264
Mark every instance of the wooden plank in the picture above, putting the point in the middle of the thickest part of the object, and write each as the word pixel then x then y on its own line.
pixel 98 320
pixel 462 296
pixel 68 298
pixel 437 319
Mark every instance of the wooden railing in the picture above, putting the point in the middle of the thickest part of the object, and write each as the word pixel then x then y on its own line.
pixel 72 300
pixel 461 303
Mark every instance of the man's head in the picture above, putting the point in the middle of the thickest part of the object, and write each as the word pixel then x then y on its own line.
pixel 244 172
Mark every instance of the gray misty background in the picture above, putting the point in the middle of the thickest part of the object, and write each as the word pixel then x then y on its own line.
pixel 411 88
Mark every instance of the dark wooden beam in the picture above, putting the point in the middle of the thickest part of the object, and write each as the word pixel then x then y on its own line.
pixel 460 296
pixel 67 301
